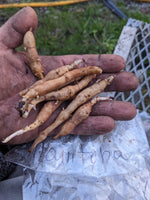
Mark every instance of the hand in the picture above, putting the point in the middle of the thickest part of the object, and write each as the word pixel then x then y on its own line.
pixel 15 76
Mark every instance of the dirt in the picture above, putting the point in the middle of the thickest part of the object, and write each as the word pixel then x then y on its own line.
pixel 141 6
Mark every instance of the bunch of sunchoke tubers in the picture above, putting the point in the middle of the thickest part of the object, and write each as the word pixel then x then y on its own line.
pixel 65 83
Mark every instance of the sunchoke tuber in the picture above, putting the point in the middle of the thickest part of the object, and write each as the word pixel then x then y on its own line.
pixel 59 95
pixel 80 99
pixel 53 74
pixel 44 114
pixel 32 55
pixel 55 84
pixel 81 114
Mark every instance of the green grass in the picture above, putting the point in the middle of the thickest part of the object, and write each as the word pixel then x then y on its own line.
pixel 78 29
pixel 81 30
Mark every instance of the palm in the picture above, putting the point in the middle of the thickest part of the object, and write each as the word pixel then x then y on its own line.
pixel 15 76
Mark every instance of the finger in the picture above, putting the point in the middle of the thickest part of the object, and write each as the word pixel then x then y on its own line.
pixel 95 125
pixel 118 110
pixel 12 32
pixel 124 81
pixel 53 62
pixel 10 121
pixel 108 62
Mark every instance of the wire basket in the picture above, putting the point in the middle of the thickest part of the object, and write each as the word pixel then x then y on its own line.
pixel 138 62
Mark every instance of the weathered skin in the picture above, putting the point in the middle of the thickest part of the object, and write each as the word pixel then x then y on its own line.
pixel 15 76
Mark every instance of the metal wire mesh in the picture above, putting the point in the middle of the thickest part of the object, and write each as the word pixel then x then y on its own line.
pixel 138 62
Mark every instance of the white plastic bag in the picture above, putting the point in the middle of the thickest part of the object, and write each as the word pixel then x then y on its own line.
pixel 111 166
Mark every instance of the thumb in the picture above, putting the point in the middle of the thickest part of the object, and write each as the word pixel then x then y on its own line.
pixel 12 32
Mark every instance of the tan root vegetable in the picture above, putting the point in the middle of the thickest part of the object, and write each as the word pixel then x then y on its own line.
pixel 60 95
pixel 56 73
pixel 44 114
pixel 53 74
pixel 32 55
pixel 80 99
pixel 55 84
pixel 69 91
pixel 81 114
pixel 30 106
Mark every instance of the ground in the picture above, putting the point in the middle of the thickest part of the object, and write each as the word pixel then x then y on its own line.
pixel 88 27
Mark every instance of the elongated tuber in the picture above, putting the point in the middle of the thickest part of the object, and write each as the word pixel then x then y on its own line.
pixel 80 99
pixel 53 74
pixel 67 78
pixel 56 73
pixel 44 114
pixel 69 91
pixel 81 114
pixel 59 95
pixel 32 55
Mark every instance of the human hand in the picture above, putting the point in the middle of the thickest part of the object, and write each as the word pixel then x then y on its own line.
pixel 15 76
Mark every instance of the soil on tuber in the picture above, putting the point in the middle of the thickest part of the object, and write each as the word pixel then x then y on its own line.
pixel 32 55
pixel 80 99
pixel 53 74
pixel 81 114
pixel 42 117
pixel 59 95
pixel 58 83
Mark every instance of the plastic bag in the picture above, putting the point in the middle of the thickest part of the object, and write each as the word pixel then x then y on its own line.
pixel 93 167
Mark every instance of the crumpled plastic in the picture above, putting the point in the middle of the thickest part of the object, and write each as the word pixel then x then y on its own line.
pixel 114 166
pixel 146 123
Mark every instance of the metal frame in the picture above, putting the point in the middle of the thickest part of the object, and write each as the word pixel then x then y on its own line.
pixel 138 62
